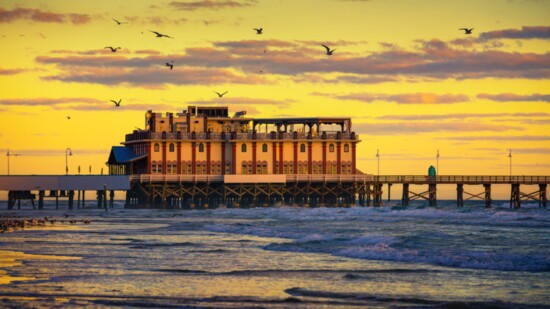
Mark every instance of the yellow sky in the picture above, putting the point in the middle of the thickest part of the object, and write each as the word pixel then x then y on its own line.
pixel 411 80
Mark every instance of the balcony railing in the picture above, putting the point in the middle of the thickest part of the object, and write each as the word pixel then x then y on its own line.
pixel 228 136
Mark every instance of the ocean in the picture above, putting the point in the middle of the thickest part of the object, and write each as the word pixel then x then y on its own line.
pixel 280 257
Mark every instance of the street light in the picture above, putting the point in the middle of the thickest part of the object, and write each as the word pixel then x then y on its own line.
pixel 437 163
pixel 68 152
pixel 378 156
pixel 8 154
pixel 510 156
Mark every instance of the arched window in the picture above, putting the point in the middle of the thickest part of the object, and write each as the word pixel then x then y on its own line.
pixel 243 148
pixel 201 147
pixel 171 147
pixel 331 148
pixel 157 147
pixel 346 148
pixel 303 148
pixel 264 148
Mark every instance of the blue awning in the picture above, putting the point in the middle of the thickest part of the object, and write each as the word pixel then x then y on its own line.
pixel 121 155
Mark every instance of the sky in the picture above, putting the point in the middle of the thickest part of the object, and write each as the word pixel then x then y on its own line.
pixel 413 83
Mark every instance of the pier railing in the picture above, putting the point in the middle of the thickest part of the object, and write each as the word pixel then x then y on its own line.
pixel 410 179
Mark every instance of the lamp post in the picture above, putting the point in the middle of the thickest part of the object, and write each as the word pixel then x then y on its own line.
pixel 437 163
pixel 8 154
pixel 68 152
pixel 378 157
pixel 510 156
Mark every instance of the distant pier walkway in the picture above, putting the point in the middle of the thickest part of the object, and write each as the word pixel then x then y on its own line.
pixel 207 191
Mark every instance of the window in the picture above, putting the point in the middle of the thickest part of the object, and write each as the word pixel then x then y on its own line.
pixel 244 169
pixel 201 147
pixel 264 167
pixel 303 148
pixel 314 168
pixel 157 147
pixel 228 167
pixel 243 148
pixel 171 147
pixel 346 148
pixel 331 148
pixel 264 148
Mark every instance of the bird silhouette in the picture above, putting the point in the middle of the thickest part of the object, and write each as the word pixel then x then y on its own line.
pixel 466 30
pixel 259 30
pixel 160 35
pixel 119 22
pixel 170 64
pixel 69 117
pixel 113 49
pixel 117 104
pixel 220 94
pixel 329 51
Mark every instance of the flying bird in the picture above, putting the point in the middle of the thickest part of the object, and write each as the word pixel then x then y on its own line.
pixel 466 30
pixel 220 94
pixel 170 64
pixel 113 49
pixel 117 104
pixel 160 35
pixel 119 22
pixel 329 51
pixel 69 117
pixel 259 30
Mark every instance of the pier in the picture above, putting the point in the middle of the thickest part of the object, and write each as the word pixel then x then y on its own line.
pixel 212 191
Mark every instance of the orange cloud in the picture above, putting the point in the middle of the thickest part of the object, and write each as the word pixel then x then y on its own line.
pixel 512 97
pixel 539 32
pixel 41 16
pixel 410 127
pixel 406 98
pixel 212 5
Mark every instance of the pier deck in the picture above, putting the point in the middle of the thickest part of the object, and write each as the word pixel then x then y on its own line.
pixel 204 191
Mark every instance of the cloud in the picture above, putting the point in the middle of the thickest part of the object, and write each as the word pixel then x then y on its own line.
pixel 460 116
pixel 407 128
pixel 88 104
pixel 406 98
pixel 227 99
pixel 512 97
pixel 37 15
pixel 46 101
pixel 211 5
pixel 502 138
pixel 347 78
pixel 11 71
pixel 301 61
pixel 539 32
pixel 155 77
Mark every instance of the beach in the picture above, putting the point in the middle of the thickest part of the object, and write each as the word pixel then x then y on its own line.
pixel 281 257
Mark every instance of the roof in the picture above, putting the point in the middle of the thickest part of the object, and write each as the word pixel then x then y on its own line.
pixel 121 154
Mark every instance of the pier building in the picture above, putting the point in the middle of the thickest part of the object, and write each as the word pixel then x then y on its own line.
pixel 208 141
pixel 205 155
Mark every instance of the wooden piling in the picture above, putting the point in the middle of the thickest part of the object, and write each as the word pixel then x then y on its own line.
pixel 405 195
pixel 459 195
pixel 432 195
pixel 487 187
pixel 542 195
pixel 41 194
pixel 515 198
